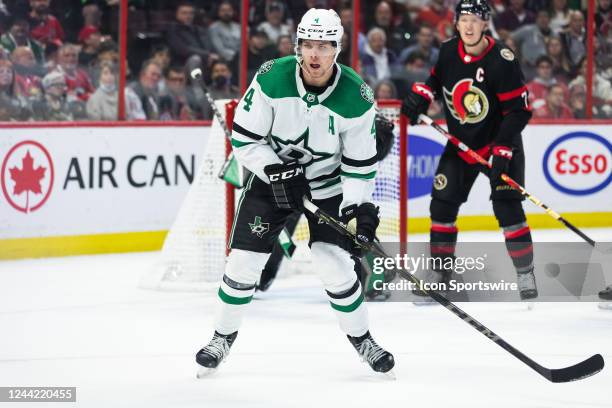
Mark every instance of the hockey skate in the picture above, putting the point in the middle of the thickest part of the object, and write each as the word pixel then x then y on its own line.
pixel 214 353
pixel 379 359
pixel 606 295
pixel 527 285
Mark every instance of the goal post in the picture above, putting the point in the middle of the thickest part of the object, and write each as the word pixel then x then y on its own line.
pixel 194 251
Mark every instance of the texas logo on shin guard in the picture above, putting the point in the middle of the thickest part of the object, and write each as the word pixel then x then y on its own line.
pixel 466 102
pixel 258 227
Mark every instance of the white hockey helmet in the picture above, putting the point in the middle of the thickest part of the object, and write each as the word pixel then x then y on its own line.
pixel 320 25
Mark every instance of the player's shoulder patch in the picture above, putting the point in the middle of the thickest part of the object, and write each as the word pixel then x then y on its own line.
pixel 265 67
pixel 276 78
pixel 352 97
pixel 507 54
pixel 366 92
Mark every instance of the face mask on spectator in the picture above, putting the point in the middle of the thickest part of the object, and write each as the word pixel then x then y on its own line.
pixel 220 81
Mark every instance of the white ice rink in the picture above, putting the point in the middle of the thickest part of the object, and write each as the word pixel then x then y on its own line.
pixel 82 321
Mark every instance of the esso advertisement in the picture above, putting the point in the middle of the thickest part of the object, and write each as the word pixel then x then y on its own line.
pixel 579 163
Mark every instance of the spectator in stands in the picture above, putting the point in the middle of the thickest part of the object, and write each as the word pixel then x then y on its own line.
pixel 51 57
pixel 397 37
pixel 514 17
pixel 78 81
pixel 424 45
pixel 559 15
pixel 573 39
pixel 18 35
pixel 555 106
pixel 92 16
pixel 602 90
pixel 12 105
pixel 102 105
pixel 274 26
pixel 544 79
pixel 345 53
pixel 531 40
pixel 220 88
pixel 385 90
pixel 175 105
pixel 284 47
pixel 28 74
pixel 44 27
pixel 258 53
pixel 346 19
pixel 435 14
pixel 577 102
pixel 146 89
pixel 55 106
pixel 225 32
pixel 187 39
pixel 603 17
pixel 377 61
pixel 161 56
pixel 414 70
pixel 562 68
pixel 108 52
pixel 90 39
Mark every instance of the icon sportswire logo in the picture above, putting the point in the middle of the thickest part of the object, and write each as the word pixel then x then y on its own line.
pixel 27 176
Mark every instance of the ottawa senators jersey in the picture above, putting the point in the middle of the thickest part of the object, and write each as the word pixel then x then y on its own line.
pixel 478 91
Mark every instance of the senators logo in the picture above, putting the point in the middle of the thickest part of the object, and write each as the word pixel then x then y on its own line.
pixel 467 103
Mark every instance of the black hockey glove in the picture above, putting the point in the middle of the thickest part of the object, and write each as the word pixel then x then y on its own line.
pixel 417 102
pixel 366 216
pixel 289 185
pixel 500 164
pixel 384 136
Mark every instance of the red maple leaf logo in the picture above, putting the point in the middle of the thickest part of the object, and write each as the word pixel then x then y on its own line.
pixel 27 178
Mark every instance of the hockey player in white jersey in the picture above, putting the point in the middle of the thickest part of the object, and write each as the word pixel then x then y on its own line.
pixel 304 127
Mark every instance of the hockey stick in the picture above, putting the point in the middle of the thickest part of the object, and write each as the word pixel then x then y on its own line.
pixel 586 368
pixel 466 149
pixel 196 74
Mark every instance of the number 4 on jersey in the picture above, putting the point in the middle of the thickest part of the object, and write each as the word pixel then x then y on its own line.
pixel 248 99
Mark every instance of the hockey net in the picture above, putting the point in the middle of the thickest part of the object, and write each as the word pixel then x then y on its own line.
pixel 194 251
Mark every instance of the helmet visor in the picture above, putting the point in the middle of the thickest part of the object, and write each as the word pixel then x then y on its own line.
pixel 311 48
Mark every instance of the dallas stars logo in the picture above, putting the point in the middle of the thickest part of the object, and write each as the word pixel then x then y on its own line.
pixel 258 227
pixel 298 150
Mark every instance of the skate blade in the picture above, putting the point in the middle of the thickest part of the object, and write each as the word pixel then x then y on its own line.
pixel 530 305
pixel 605 305
pixel 425 302
pixel 390 375
pixel 204 372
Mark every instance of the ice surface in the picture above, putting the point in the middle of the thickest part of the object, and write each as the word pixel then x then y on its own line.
pixel 82 321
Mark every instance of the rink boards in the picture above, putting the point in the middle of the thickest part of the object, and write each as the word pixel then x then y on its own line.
pixel 93 188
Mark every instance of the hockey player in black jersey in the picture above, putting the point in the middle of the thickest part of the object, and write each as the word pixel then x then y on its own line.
pixel 486 107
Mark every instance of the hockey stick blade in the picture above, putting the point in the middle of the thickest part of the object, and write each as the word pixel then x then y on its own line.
pixel 584 369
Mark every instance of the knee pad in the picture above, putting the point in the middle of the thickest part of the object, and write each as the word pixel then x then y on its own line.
pixel 334 266
pixel 508 212
pixel 443 211
pixel 245 266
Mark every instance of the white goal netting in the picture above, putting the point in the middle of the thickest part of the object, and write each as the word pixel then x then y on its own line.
pixel 194 252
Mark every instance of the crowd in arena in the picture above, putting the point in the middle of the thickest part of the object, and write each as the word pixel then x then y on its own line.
pixel 59 59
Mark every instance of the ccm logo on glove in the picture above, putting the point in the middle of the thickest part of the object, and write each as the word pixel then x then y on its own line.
pixel 286 174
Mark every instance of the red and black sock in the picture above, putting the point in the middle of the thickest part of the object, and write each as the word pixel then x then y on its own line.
pixel 520 246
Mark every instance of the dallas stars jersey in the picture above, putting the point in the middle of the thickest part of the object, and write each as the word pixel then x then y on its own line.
pixel 331 134
pixel 479 91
